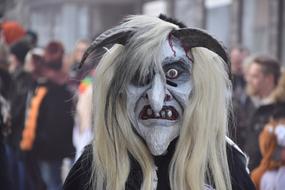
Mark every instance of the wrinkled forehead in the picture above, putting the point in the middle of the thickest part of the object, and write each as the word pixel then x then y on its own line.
pixel 172 50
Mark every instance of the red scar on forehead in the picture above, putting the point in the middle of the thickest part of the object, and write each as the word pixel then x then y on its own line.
pixel 174 52
pixel 186 50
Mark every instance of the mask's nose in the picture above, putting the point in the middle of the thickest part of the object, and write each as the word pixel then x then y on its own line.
pixel 156 94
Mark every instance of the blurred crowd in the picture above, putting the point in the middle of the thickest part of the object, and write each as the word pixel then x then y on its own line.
pixel 259 116
pixel 46 111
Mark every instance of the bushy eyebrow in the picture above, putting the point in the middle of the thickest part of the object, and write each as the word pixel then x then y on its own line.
pixel 185 64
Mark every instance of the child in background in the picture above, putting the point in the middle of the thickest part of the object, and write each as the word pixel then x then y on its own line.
pixel 270 174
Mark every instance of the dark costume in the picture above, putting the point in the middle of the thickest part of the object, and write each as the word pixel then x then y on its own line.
pixel 78 178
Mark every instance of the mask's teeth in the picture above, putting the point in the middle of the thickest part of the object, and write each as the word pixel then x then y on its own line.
pixel 149 112
pixel 162 113
pixel 169 113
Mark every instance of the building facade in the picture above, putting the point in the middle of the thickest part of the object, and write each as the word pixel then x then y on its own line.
pixel 70 20
pixel 257 24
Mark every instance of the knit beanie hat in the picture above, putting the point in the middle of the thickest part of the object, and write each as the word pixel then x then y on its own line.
pixel 12 31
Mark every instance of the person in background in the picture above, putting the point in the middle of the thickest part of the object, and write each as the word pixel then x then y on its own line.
pixel 34 63
pixel 80 82
pixel 22 83
pixel 271 148
pixel 5 85
pixel 5 81
pixel 5 76
pixel 47 135
pixel 270 174
pixel 5 181
pixel 32 38
pixel 76 74
pixel 251 115
pixel 238 55
pixel 82 132
pixel 12 32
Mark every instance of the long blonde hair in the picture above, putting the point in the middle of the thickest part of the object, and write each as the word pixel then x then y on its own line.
pixel 201 149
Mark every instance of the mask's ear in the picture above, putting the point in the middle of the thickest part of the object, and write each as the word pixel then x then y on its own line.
pixel 191 37
pixel 116 35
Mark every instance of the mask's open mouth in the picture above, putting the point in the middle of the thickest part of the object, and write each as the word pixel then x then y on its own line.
pixel 167 112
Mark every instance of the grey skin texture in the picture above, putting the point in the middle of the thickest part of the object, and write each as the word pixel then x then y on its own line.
pixel 156 108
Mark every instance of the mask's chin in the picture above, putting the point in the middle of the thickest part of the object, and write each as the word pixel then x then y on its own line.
pixel 158 149
pixel 158 138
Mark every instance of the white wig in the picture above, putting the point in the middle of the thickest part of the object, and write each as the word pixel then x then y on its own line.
pixel 200 154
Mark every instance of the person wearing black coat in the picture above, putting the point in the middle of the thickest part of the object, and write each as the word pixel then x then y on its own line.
pixel 47 136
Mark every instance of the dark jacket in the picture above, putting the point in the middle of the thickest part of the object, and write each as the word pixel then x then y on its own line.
pixel 4 177
pixel 22 84
pixel 249 122
pixel 79 176
pixel 244 110
pixel 5 83
pixel 54 124
pixel 258 120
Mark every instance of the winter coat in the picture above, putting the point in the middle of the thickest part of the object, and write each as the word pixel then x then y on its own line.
pixel 258 121
pixel 22 85
pixel 54 124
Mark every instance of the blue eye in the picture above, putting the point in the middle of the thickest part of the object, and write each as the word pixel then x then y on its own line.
pixel 172 74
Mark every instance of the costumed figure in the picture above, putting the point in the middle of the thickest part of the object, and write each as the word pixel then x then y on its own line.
pixel 161 101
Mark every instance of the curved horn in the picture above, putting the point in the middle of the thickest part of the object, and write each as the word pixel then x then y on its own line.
pixel 116 35
pixel 191 37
